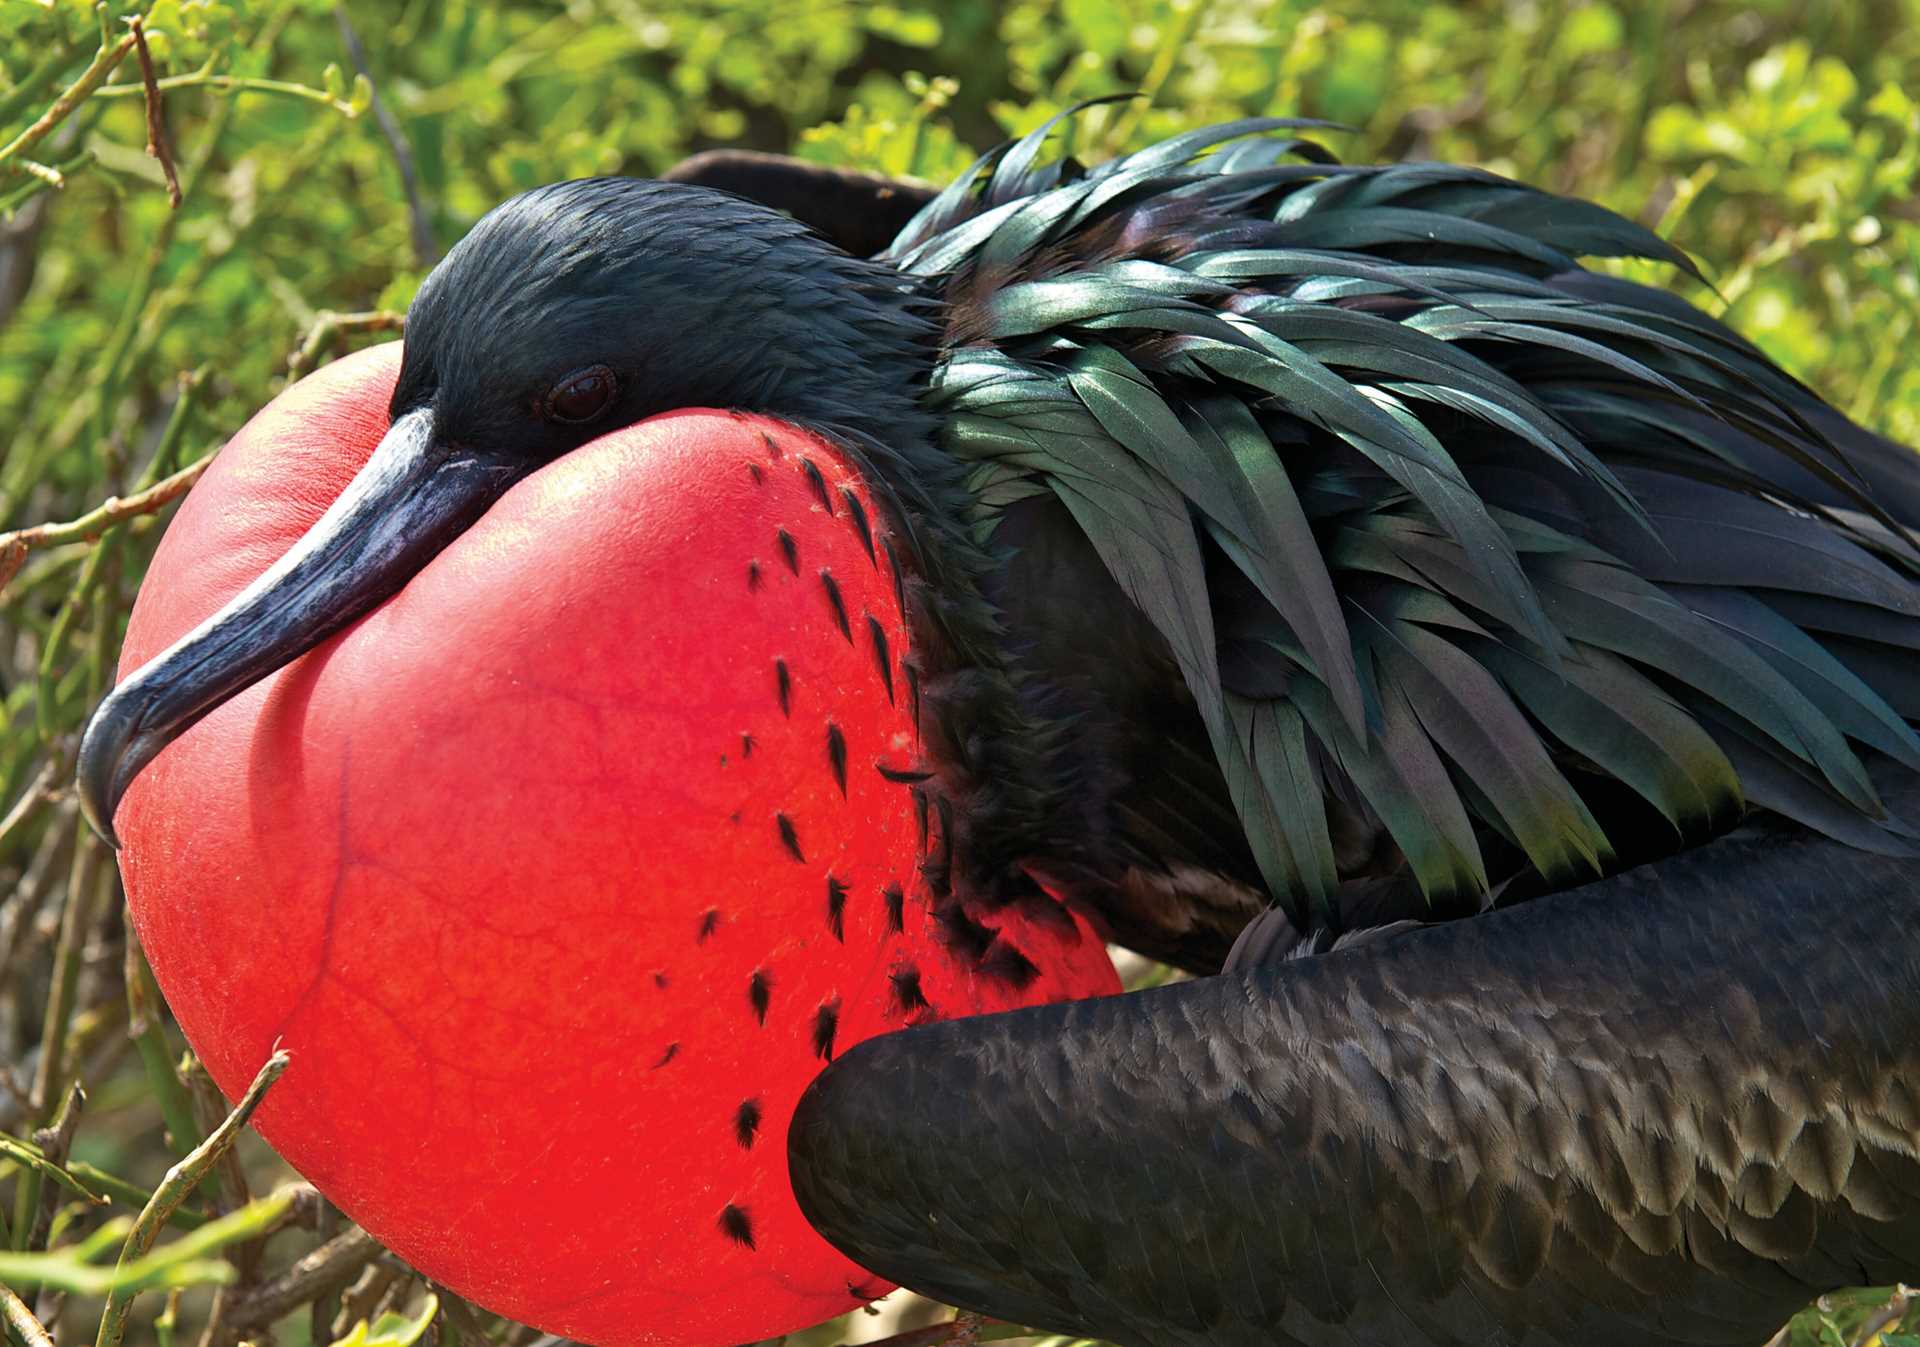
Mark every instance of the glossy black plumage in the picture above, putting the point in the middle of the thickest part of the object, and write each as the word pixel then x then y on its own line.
pixel 1396 520
pixel 1671 1107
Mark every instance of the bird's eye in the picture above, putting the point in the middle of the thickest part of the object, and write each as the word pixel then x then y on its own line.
pixel 582 395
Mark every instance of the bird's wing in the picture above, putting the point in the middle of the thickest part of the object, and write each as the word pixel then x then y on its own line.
pixel 1668 1108
pixel 1531 575
pixel 857 212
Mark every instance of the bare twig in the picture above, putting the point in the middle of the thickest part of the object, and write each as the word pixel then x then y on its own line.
pixel 21 908
pixel 117 1188
pixel 325 1271
pixel 459 1314
pixel 146 1027
pixel 357 1301
pixel 209 1105
pixel 325 1307
pixel 102 65
pixel 420 226
pixel 156 115
pixel 30 84
pixel 396 1295
pixel 963 1329
pixel 59 1030
pixel 1887 1316
pixel 76 919
pixel 47 173
pixel 38 182
pixel 328 328
pixel 237 84
pixel 21 1320
pixel 181 1180
pixel 54 1141
pixel 89 526
pixel 43 790
pixel 56 1138
pixel 30 1155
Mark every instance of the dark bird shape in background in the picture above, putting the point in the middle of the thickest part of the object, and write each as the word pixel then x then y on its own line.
pixel 1513 659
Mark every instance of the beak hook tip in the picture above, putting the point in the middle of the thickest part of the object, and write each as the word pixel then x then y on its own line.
pixel 104 831
pixel 95 778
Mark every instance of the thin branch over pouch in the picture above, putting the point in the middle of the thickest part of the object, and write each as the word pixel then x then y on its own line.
pixel 114 510
pixel 180 1181
pixel 328 328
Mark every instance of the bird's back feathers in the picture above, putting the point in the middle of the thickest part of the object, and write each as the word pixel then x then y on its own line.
pixel 1462 563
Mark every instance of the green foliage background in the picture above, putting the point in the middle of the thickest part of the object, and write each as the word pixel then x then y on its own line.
pixel 1778 142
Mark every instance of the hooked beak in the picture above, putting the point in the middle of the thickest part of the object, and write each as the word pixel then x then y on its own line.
pixel 412 498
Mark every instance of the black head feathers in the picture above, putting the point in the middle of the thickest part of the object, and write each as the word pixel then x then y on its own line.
pixel 686 296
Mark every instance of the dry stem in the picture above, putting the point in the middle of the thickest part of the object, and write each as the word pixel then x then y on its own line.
pixel 181 1180
pixel 114 510
pixel 22 1321
pixel 156 117
pixel 76 93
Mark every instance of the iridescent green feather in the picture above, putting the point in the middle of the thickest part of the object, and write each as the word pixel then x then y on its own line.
pixel 1479 582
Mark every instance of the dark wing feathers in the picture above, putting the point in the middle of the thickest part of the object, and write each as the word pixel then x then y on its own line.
pixel 1652 1111
pixel 1398 773
pixel 1432 523
pixel 1272 776
pixel 1279 554
pixel 1468 715
pixel 1600 707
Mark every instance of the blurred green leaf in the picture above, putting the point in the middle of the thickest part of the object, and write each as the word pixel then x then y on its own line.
pixel 391 1329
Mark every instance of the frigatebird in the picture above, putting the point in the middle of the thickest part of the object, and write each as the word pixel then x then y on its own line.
pixel 1494 677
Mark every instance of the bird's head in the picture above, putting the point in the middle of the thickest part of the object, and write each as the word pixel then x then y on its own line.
pixel 592 304
pixel 567 312
pixel 556 794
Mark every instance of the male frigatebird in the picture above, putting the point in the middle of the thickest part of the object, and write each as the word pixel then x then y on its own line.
pixel 1512 658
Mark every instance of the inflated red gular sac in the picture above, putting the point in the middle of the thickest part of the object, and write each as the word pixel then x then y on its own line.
pixel 563 871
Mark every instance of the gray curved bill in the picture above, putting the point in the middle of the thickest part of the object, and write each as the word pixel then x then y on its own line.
pixel 412 498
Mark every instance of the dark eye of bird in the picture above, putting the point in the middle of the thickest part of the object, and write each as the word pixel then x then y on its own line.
pixel 582 395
